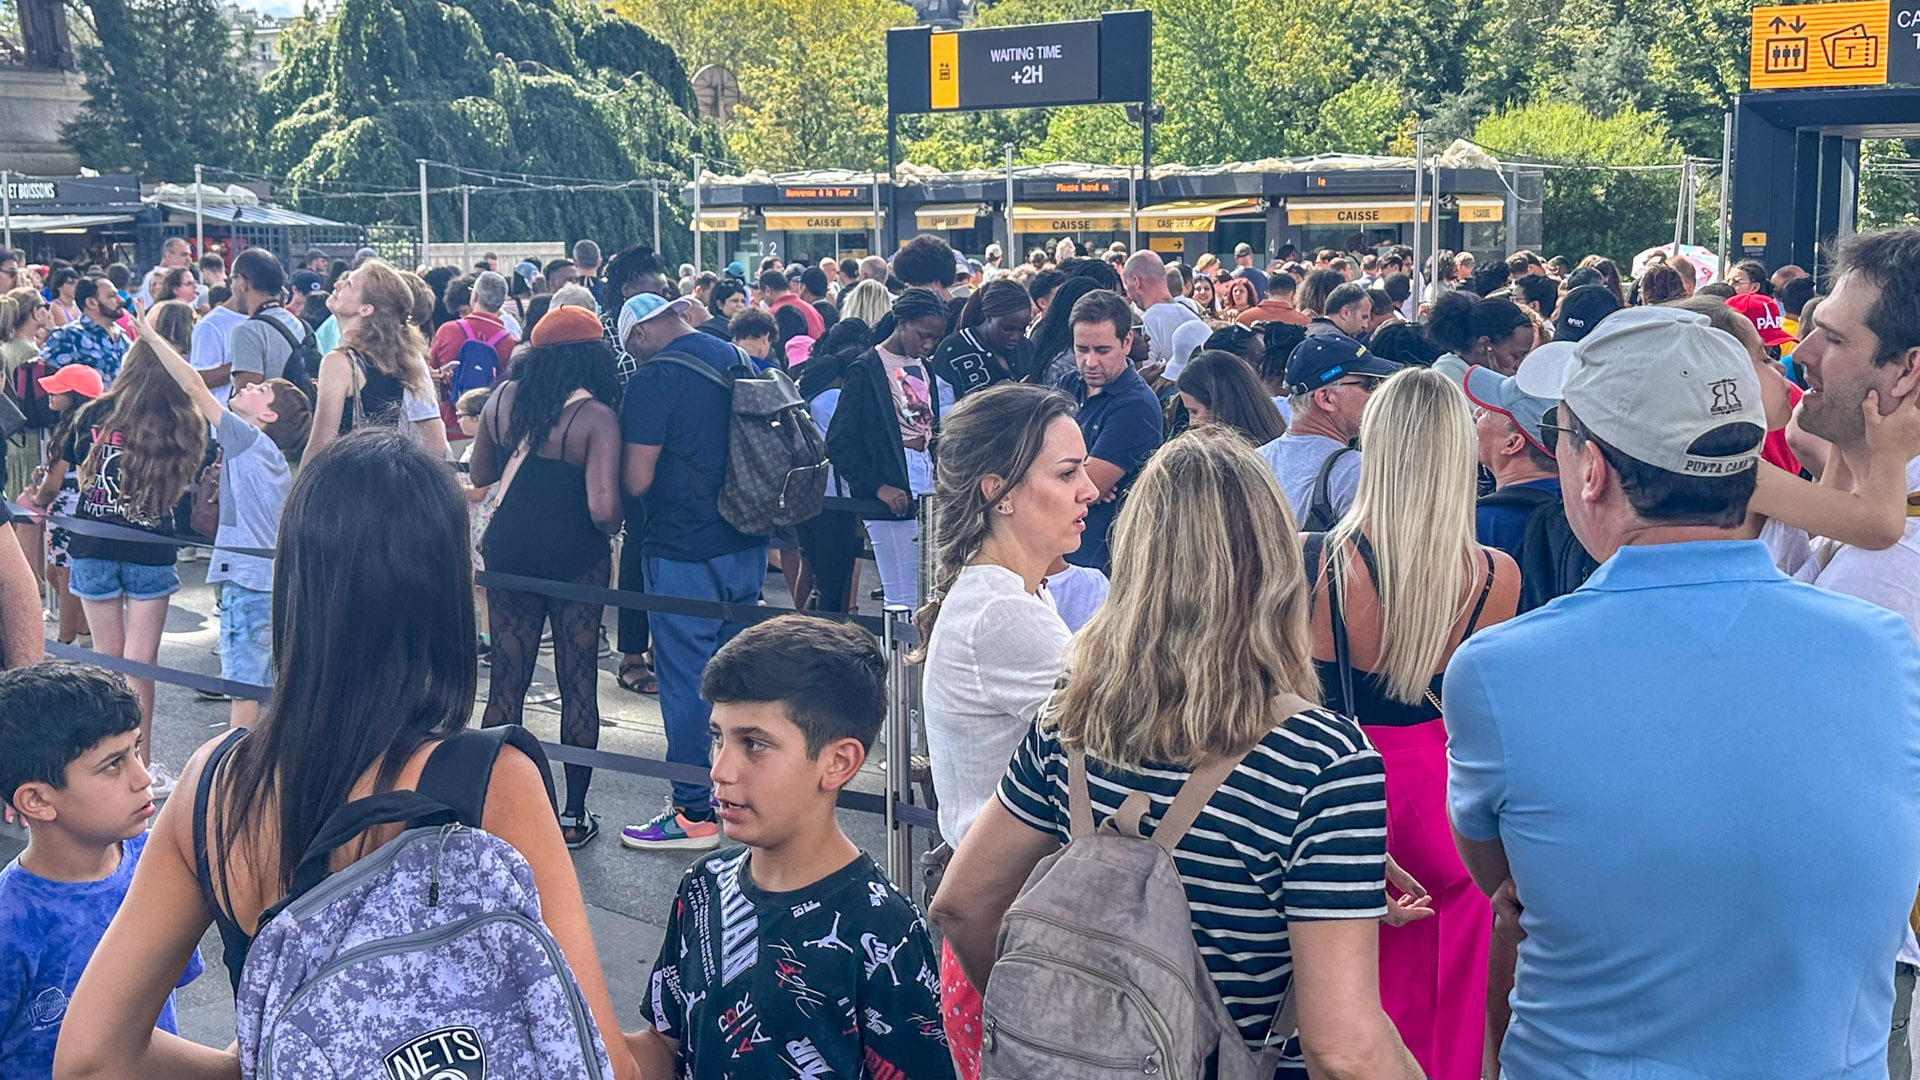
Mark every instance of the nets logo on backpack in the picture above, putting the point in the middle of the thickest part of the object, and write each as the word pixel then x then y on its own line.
pixel 450 1053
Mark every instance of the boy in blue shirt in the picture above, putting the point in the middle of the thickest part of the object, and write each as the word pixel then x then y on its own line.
pixel 70 767
pixel 792 955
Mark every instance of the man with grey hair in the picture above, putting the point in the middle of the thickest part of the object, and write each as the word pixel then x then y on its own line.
pixel 874 268
pixel 175 254
pixel 482 324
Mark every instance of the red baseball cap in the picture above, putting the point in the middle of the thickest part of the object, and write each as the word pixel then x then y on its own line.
pixel 1763 312
pixel 74 379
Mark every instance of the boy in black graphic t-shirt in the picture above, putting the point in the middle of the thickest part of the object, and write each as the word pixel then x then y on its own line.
pixel 792 956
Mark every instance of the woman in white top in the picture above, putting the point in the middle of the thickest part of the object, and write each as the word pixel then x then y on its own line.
pixel 1011 498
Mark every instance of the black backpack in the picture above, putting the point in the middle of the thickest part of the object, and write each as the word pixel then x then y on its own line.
pixel 32 398
pixel 776 459
pixel 1552 560
pixel 303 356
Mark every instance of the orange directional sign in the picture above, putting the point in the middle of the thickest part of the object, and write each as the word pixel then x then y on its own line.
pixel 1819 45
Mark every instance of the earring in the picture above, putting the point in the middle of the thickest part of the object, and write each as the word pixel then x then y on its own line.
pixel 1004 508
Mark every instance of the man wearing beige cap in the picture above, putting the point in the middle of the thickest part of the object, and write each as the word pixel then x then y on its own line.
pixel 1700 779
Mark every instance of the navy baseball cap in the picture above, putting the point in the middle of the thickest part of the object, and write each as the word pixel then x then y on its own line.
pixel 1323 358
pixel 1582 309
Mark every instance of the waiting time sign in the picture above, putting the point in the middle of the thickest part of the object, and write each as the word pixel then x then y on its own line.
pixel 1098 61
pixel 1012 66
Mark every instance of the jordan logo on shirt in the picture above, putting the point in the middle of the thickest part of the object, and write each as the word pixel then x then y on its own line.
pixel 832 940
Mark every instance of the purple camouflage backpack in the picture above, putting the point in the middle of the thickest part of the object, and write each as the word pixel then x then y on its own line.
pixel 425 960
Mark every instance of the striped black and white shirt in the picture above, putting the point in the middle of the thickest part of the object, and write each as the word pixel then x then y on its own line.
pixel 1298 831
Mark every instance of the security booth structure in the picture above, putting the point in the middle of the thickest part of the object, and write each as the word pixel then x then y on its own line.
pixel 796 216
pixel 1821 78
pixel 236 219
pixel 76 218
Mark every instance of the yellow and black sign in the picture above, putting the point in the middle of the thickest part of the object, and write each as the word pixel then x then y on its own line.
pixel 821 221
pixel 1167 245
pixel 1806 45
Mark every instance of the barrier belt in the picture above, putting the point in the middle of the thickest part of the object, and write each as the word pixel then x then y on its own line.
pixel 665 605
pixel 918 817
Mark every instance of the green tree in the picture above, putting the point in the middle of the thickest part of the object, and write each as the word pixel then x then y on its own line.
pixel 1589 209
pixel 1888 197
pixel 165 89
pixel 812 76
pixel 545 88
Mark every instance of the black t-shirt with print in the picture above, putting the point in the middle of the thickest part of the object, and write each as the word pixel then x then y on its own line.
pixel 100 501
pixel 837 979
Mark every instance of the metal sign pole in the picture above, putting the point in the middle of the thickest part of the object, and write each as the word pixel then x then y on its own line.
pixel 466 231
pixel 1012 254
pixel 876 220
pixel 1726 179
pixel 1680 206
pixel 899 745
pixel 657 245
pixel 199 217
pixel 1419 182
pixel 424 257
pixel 6 208
pixel 699 166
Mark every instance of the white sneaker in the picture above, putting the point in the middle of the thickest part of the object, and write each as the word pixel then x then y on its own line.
pixel 163 780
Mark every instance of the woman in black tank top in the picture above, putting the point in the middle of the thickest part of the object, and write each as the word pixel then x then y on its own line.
pixel 551 438
pixel 1398 583
pixel 381 359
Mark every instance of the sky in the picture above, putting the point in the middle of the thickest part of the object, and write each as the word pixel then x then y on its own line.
pixel 281 8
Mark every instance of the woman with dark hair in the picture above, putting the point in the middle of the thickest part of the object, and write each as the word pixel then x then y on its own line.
pixel 881 428
pixel 550 438
pixel 60 286
pixel 1609 275
pixel 1750 276
pixel 1492 333
pixel 1053 337
pixel 1010 502
pixel 378 375
pixel 1200 291
pixel 180 284
pixel 991 345
pixel 789 325
pixel 1660 284
pixel 374 668
pixel 1221 388
pixel 830 540
pixel 136 448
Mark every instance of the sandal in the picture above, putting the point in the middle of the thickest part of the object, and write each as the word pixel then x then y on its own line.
pixel 646 684
pixel 586 828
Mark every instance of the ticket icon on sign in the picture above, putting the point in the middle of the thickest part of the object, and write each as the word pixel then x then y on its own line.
pixel 1851 47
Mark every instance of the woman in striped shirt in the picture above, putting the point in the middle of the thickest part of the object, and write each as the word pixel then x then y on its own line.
pixel 1285 869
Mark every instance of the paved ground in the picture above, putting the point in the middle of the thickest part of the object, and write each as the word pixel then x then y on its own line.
pixel 627 893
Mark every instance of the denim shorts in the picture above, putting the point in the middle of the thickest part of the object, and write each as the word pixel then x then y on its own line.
pixel 246 635
pixel 108 579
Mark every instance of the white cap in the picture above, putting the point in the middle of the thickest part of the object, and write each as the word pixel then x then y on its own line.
pixel 1649 381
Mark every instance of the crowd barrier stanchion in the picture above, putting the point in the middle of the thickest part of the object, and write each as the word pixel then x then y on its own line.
pixel 899 741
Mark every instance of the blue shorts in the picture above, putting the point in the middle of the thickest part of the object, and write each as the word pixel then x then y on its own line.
pixel 246 635
pixel 107 579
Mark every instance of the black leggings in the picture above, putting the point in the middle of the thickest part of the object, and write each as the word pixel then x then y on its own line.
pixel 831 542
pixel 516 619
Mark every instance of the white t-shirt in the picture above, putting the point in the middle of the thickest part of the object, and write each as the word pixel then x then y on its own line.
pixel 1078 592
pixel 1174 334
pixel 1888 579
pixel 212 343
pixel 993 659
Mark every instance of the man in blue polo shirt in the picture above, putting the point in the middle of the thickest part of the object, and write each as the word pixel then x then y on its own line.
pixel 1119 414
pixel 675 425
pixel 1702 779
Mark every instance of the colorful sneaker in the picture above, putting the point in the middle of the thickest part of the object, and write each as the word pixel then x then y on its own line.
pixel 163 781
pixel 672 831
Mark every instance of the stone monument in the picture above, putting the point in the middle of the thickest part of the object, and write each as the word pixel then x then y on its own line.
pixel 39 91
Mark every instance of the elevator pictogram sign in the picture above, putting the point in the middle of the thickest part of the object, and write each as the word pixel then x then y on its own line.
pixel 1805 45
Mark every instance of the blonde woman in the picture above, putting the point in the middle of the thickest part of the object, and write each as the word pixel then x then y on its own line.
pixel 1398 583
pixel 1199 657
pixel 867 301
pixel 1011 499
pixel 378 374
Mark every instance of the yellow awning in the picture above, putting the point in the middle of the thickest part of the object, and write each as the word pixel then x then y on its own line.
pixel 1358 211
pixel 1077 218
pixel 820 220
pixel 954 216
pixel 1482 207
pixel 720 220
pixel 1191 216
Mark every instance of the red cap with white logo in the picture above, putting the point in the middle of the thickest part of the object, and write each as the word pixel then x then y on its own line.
pixel 1763 312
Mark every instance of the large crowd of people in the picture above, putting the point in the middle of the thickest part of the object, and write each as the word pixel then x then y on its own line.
pixel 1507 666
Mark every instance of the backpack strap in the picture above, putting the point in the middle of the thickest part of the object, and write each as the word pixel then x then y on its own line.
pixel 460 769
pixel 701 367
pixel 281 328
pixel 232 938
pixel 1191 799
pixel 1320 512
pixel 1079 802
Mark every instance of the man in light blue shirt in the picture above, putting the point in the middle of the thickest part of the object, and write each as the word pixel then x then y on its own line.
pixel 1701 778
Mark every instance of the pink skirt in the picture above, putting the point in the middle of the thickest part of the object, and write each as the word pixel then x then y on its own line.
pixel 1433 973
pixel 960 1008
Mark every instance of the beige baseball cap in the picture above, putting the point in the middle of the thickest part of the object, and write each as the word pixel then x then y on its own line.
pixel 1649 381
